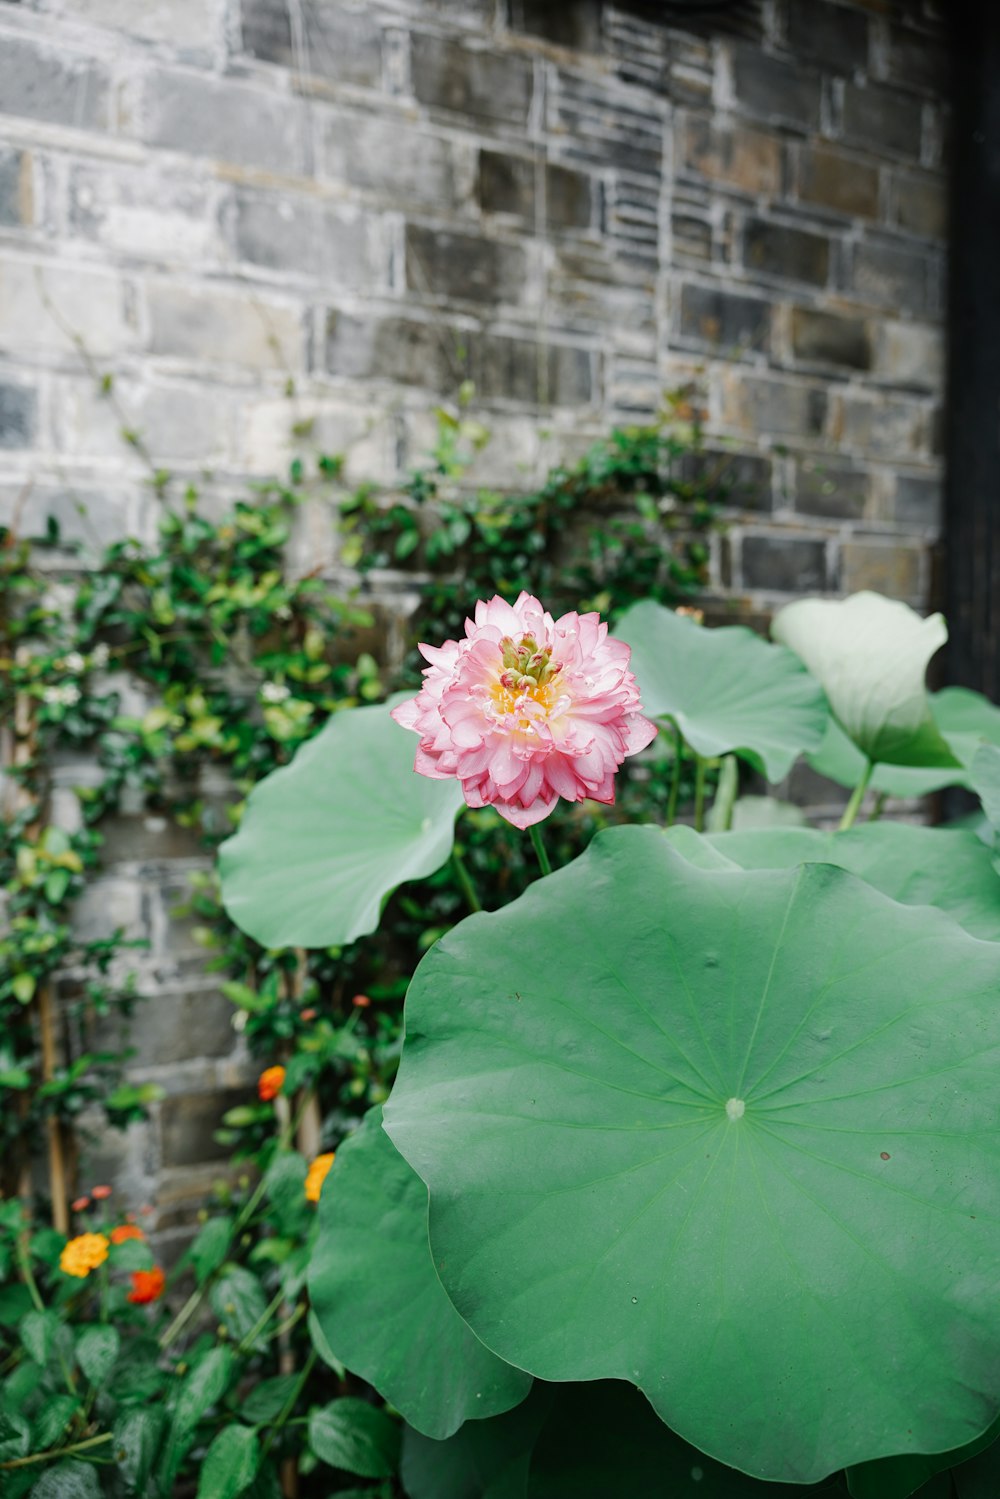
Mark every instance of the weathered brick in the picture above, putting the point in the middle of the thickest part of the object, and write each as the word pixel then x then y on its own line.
pixel 64 88
pixel 154 210
pixel 785 92
pixel 884 567
pixel 42 306
pixel 792 254
pixel 87 516
pixel 919 59
pixel 830 489
pixel 183 1027
pixel 189 1120
pixel 604 129
pixel 741 481
pixel 179 423
pixel 401 349
pixel 299 234
pixel 218 327
pixel 485 85
pixel 722 320
pixel 16 188
pixel 515 369
pixel 831 179
pixel 192 28
pixel 918 500
pixel 920 204
pixel 513 184
pixel 691 239
pixel 737 156
pixel 463 267
pixel 911 354
pixel 340 44
pixel 391 157
pixel 784 564
pixel 769 406
pixel 833 35
pixel 228 121
pixel 828 338
pixel 882 120
pixel 886 427
pixel 577 25
pixel 892 274
pixel 18 415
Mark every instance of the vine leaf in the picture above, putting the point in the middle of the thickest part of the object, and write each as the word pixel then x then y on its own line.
pixel 870 654
pixel 327 838
pixel 378 1299
pixel 727 690
pixel 728 1136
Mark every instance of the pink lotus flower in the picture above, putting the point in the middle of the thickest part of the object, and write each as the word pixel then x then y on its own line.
pixel 527 709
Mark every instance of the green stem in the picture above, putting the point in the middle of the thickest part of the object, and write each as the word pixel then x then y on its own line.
pixel 880 800
pixel 857 797
pixel 24 1262
pixel 290 1403
pixel 699 794
pixel 462 875
pixel 543 857
pixel 46 1457
pixel 720 816
pixel 675 775
pixel 247 1343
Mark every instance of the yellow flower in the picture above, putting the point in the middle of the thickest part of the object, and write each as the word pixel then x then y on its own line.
pixel 83 1254
pixel 316 1175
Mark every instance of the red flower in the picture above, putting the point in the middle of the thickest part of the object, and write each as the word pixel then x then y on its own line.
pixel 147 1285
pixel 80 1204
pixel 99 1193
pixel 126 1231
pixel 361 1001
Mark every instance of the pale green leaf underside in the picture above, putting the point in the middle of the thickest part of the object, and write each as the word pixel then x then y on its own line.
pixel 948 868
pixel 376 1294
pixel 966 719
pixel 325 839
pixel 602 1207
pixel 727 690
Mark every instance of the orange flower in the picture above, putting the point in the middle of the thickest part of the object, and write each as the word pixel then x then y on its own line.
pixel 147 1285
pixel 361 1001
pixel 83 1254
pixel 269 1083
pixel 316 1175
pixel 99 1193
pixel 126 1231
pixel 80 1204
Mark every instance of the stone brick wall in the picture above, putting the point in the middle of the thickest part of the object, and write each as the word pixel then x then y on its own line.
pixel 254 213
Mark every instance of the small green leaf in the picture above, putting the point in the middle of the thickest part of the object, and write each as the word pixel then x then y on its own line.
pixel 38 1334
pixel 230 1464
pixel 52 1420
pixel 133 1254
pixel 96 1352
pixel 210 1247
pixel 69 1480
pixel 137 1436
pixel 238 1301
pixel 23 987
pixel 355 1436
pixel 267 1400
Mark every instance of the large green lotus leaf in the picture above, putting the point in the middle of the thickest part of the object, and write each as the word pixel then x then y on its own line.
pixel 944 867
pixel 604 1439
pixel 732 1137
pixel 727 690
pixel 899 1477
pixel 380 1305
pixel 484 1460
pixel 965 718
pixel 986 780
pixel 870 655
pixel 325 839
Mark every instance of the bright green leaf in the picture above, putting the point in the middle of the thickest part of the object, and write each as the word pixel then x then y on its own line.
pixel 68 1480
pixel 355 1436
pixel 267 1400
pixel 986 779
pixel 38 1334
pixel 325 839
pixel 376 1294
pixel 96 1352
pixel 730 1137
pixel 52 1420
pixel 727 690
pixel 870 655
pixel 238 1301
pixel 203 1387
pixel 230 1464
pixel 137 1440
pixel 23 987
pixel 765 812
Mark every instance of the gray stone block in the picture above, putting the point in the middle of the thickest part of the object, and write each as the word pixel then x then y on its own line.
pixel 723 321
pixel 391 157
pixel 919 59
pixel 739 157
pixel 297 234
pixel 463 267
pixel 791 254
pixel 182 1027
pixel 892 274
pixel 741 481
pixel 920 204
pixel 780 564
pixel 63 88
pixel 833 35
pixel 769 406
pixel 514 185
pixel 341 44
pixel 18 415
pixel 882 120
pixel 16 206
pixel 221 327
pixel 86 515
pixel 466 80
pixel 228 121
pixel 828 338
pixel 406 350
pixel 785 92
pixel 577 25
pixel 831 179
pixel 188 1121
pixel 918 500
pixel 516 369
pixel 827 488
